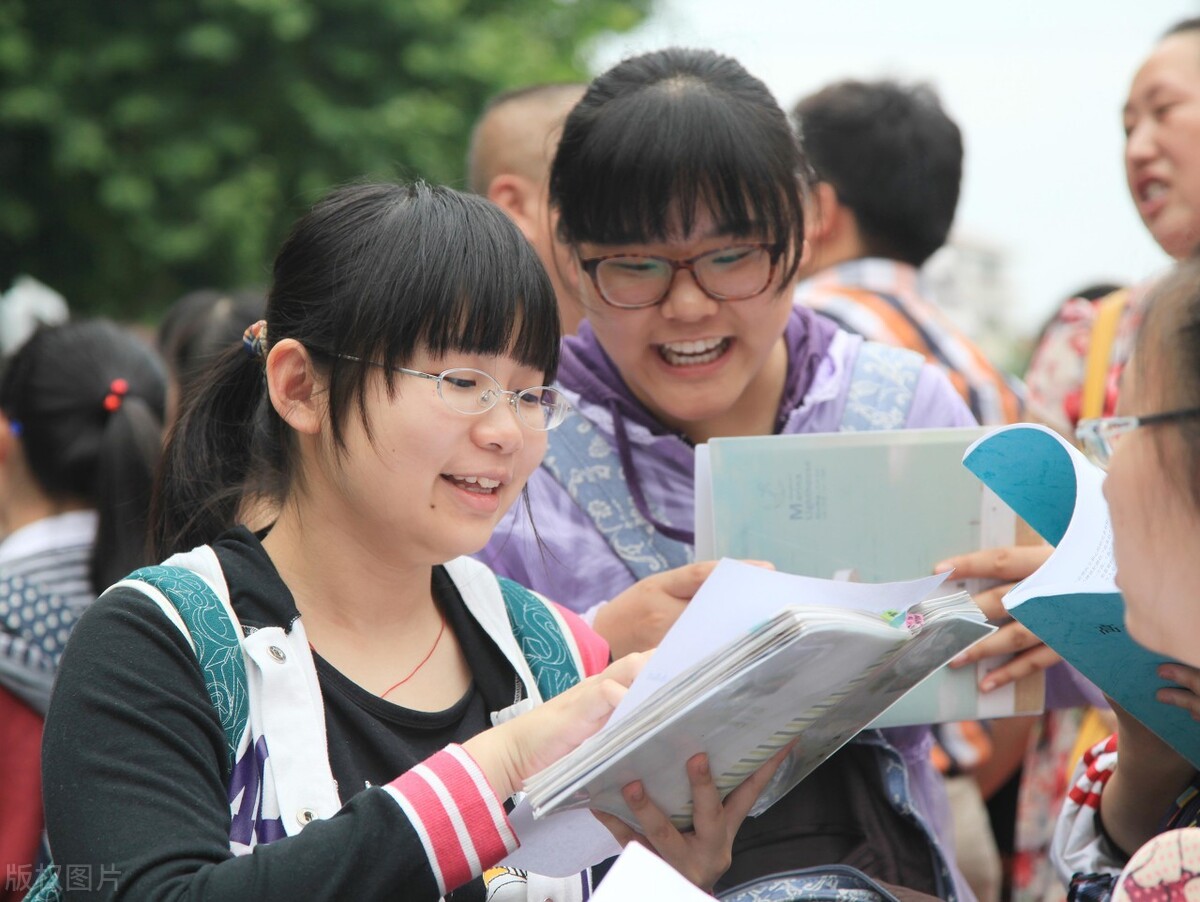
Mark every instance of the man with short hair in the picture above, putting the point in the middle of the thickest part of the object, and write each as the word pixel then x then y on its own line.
pixel 888 166
pixel 512 146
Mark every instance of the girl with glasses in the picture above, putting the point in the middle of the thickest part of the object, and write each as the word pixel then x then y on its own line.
pixel 679 188
pixel 1132 787
pixel 388 410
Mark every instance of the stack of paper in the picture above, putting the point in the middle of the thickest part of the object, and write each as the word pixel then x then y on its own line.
pixel 820 672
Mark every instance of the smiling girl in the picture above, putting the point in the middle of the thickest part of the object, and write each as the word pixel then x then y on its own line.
pixel 679 188
pixel 389 408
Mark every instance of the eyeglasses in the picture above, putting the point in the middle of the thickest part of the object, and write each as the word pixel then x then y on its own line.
pixel 473 392
pixel 733 273
pixel 1099 436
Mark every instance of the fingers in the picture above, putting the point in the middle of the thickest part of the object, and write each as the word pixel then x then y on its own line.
pixel 1006 564
pixel 1186 695
pixel 683 582
pixel 1040 658
pixel 991 602
pixel 620 830
pixel 1010 639
pixel 739 802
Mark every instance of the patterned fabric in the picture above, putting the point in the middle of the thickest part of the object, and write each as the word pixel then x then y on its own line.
pixel 881 388
pixel 1056 371
pixel 541 639
pixel 1165 869
pixel 834 883
pixel 882 301
pixel 587 466
pixel 216 638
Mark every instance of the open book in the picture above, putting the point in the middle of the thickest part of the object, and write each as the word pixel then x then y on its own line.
pixel 1071 603
pixel 870 506
pixel 808 658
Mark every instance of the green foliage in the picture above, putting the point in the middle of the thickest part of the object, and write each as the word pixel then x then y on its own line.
pixel 148 147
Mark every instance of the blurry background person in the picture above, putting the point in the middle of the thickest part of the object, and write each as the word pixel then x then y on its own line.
pixel 1083 352
pixel 197 329
pixel 512 146
pixel 81 409
pixel 888 163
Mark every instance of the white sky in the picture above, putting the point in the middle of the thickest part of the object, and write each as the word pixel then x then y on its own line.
pixel 1037 88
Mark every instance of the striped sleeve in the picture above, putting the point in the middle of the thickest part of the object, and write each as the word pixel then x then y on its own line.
pixel 593 650
pixel 456 814
pixel 1079 845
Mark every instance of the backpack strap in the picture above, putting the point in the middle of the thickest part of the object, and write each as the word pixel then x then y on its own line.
pixel 583 462
pixel 216 636
pixel 1099 354
pixel 882 386
pixel 541 638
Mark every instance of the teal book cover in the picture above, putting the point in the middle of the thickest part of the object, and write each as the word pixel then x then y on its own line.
pixel 1072 603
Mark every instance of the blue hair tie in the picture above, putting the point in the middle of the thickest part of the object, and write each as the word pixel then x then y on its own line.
pixel 15 427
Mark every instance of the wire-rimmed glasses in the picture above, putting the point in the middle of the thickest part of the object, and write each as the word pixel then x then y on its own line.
pixel 1099 435
pixel 473 392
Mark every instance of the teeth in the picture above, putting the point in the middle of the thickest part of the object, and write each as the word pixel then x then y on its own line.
pixel 1153 191
pixel 693 353
pixel 693 347
pixel 482 481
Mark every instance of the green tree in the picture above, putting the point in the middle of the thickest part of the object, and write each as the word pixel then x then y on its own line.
pixel 152 146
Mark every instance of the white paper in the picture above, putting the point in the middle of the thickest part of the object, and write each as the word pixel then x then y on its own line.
pixel 640 874
pixel 703 527
pixel 709 621
pixel 559 845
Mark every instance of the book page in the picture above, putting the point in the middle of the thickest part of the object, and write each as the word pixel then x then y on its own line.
pixel 710 619
pixel 1072 602
pixel 886 505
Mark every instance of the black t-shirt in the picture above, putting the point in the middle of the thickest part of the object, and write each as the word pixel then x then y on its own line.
pixel 134 763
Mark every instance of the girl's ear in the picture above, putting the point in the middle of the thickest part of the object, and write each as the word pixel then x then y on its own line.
pixel 297 392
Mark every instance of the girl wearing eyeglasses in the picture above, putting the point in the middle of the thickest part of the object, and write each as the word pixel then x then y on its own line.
pixel 1133 787
pixel 679 188
pixel 390 409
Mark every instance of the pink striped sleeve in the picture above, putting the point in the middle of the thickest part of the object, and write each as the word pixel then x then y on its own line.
pixel 593 650
pixel 456 814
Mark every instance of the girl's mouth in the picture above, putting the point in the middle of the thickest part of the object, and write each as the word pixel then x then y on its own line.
pixel 693 353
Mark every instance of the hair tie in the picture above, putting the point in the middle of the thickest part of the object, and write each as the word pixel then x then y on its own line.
pixel 15 427
pixel 254 339
pixel 117 389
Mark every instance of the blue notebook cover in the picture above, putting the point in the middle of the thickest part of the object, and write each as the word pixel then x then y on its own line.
pixel 1043 479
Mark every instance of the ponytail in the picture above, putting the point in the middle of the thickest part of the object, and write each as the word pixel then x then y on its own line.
pixel 225 430
pixel 90 397
pixel 124 477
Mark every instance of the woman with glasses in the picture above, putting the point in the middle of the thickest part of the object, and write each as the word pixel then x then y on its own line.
pixel 1151 450
pixel 679 188
pixel 390 408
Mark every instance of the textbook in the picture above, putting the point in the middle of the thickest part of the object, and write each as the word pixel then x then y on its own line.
pixel 870 506
pixel 1072 603
pixel 757 659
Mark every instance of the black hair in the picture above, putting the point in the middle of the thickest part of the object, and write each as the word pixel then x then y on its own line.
pixel 660 136
pixel 89 399
pixel 1183 26
pixel 371 275
pixel 894 158
pixel 202 325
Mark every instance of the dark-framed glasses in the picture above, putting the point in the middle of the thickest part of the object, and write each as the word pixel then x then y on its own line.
pixel 473 392
pixel 730 273
pixel 1099 436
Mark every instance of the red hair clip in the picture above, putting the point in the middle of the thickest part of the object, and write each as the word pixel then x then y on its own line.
pixel 117 389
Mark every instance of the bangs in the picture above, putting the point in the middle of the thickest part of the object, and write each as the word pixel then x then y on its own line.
pixel 466 280
pixel 641 167
pixel 431 269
